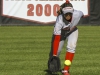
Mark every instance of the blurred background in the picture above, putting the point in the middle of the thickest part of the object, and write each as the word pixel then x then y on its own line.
pixel 24 12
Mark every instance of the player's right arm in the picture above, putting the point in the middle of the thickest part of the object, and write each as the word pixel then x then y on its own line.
pixel 57 34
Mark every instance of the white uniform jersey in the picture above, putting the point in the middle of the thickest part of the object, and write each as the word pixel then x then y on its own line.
pixel 60 24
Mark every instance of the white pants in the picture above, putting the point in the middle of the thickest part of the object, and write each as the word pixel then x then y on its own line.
pixel 71 43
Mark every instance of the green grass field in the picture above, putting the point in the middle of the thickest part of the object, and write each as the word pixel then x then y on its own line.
pixel 24 50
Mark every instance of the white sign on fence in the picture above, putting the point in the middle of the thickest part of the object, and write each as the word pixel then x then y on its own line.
pixel 43 11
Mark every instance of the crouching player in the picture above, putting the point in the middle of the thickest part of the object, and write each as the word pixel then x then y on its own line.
pixel 65 29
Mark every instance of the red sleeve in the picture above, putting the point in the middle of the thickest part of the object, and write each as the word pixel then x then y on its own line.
pixel 56 44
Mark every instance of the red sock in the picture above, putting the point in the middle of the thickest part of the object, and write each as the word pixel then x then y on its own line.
pixel 69 56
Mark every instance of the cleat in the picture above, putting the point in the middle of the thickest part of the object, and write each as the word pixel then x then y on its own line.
pixel 65 72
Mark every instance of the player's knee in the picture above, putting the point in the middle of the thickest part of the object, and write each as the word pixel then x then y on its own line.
pixel 71 49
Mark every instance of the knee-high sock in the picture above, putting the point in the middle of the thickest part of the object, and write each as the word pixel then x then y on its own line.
pixel 69 56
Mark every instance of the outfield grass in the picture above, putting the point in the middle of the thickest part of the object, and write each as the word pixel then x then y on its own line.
pixel 24 50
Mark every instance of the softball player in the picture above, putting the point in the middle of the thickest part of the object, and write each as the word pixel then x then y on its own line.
pixel 65 29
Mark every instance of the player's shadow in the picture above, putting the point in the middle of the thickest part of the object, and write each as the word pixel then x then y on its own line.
pixel 49 73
